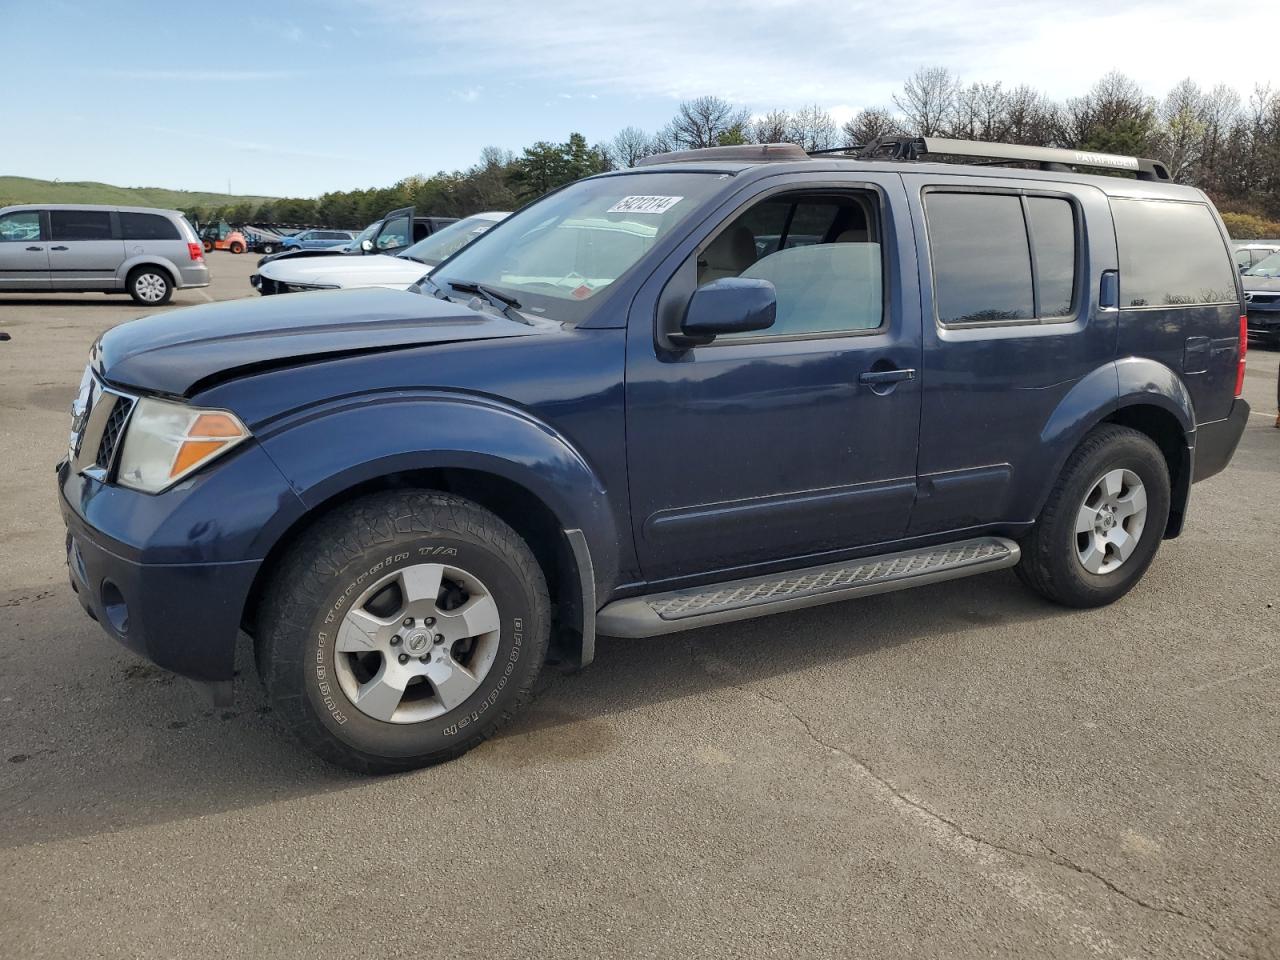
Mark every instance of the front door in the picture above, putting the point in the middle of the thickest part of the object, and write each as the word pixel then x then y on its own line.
pixel 24 251
pixel 84 250
pixel 798 442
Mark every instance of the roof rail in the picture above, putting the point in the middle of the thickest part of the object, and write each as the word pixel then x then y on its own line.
pixel 745 153
pixel 1047 158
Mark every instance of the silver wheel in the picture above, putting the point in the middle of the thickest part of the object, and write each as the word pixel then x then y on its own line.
pixel 150 287
pixel 1109 523
pixel 417 643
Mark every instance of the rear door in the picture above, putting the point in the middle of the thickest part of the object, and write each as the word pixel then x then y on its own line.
pixel 1011 324
pixel 85 249
pixel 24 251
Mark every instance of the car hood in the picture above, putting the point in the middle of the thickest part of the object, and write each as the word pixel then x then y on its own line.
pixel 299 254
pixel 184 350
pixel 347 272
pixel 1260 284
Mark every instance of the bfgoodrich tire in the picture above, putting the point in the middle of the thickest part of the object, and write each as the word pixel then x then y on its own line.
pixel 402 630
pixel 1102 523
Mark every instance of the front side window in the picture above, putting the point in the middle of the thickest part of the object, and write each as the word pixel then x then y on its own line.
pixel 147 226
pixel 558 254
pixel 395 234
pixel 1001 258
pixel 1171 254
pixel 822 254
pixel 80 224
pixel 20 225
pixel 447 240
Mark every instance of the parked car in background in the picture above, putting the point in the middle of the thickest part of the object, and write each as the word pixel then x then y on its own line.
pixel 317 240
pixel 1248 255
pixel 614 414
pixel 397 230
pixel 1262 299
pixel 64 248
pixel 397 271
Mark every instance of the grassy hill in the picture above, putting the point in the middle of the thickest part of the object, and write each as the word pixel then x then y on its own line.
pixel 28 190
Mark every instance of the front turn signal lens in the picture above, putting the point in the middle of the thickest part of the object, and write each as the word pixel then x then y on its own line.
pixel 167 441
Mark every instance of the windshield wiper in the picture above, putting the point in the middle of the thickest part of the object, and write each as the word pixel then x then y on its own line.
pixel 507 304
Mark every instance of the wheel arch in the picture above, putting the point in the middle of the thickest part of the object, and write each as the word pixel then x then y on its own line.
pixel 1135 392
pixel 132 265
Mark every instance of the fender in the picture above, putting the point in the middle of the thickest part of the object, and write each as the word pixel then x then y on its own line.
pixel 1128 382
pixel 325 451
pixel 149 259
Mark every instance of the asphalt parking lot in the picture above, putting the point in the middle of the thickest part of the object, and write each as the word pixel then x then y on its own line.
pixel 956 771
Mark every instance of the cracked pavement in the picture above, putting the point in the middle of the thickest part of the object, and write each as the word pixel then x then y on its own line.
pixel 956 771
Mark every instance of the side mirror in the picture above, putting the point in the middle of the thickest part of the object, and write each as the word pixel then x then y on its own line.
pixel 366 246
pixel 729 305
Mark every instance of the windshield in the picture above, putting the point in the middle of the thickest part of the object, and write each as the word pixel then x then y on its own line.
pixel 559 253
pixel 1270 267
pixel 365 234
pixel 431 250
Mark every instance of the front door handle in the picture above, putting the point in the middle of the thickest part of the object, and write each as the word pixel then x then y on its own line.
pixel 880 377
pixel 57 248
pixel 34 249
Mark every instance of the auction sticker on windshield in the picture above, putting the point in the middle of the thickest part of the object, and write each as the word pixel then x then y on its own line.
pixel 644 205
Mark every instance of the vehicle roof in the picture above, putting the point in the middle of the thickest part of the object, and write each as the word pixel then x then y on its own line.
pixel 488 215
pixel 118 208
pixel 1256 245
pixel 851 167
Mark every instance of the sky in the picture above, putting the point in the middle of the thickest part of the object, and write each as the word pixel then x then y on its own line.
pixel 298 97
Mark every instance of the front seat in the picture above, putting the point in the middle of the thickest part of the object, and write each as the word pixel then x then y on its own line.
pixel 727 255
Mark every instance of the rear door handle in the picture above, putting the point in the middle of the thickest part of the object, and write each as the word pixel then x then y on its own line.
pixel 35 249
pixel 57 248
pixel 886 376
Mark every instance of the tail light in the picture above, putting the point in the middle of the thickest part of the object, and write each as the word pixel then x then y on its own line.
pixel 195 251
pixel 1244 348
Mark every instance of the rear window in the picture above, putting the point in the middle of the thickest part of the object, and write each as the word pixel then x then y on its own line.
pixel 1001 258
pixel 80 224
pixel 147 226
pixel 1171 254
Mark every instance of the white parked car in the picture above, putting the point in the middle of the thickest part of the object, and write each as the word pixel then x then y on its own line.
pixel 398 272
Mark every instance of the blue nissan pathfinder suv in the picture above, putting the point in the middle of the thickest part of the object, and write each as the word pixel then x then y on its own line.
pixel 723 384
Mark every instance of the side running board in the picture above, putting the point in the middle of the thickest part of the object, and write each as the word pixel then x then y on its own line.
pixel 676 610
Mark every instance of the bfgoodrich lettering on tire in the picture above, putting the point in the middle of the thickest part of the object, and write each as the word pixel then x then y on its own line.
pixel 1103 522
pixel 402 629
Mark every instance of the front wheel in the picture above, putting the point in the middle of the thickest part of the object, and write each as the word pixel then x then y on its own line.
pixel 268 248
pixel 402 630
pixel 1103 522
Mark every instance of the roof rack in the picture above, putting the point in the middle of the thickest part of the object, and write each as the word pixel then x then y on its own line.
pixel 746 153
pixel 1046 158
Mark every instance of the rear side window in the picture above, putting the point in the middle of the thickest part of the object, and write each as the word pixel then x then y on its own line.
pixel 1001 258
pixel 1171 254
pixel 80 224
pixel 147 226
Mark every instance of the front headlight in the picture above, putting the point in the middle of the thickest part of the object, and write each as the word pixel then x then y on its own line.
pixel 166 441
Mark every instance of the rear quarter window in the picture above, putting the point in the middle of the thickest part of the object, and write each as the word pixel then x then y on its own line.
pixel 1171 254
pixel 148 226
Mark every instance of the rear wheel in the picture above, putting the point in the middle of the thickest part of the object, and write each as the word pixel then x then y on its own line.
pixel 236 247
pixel 268 248
pixel 402 630
pixel 1103 521
pixel 150 286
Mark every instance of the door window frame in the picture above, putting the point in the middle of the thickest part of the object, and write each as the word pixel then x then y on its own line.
pixel 1023 193
pixel 817 188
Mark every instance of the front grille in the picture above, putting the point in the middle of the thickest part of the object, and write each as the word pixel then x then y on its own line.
pixel 112 432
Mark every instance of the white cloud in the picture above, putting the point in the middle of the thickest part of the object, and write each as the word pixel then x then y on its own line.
pixel 842 54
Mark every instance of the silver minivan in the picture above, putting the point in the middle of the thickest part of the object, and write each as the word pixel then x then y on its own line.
pixel 62 248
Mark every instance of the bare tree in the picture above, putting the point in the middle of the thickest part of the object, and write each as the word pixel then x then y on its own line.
pixel 703 121
pixel 1184 123
pixel 928 101
pixel 1115 115
pixel 812 128
pixel 1032 118
pixel 771 128
pixel 629 146
pixel 869 125
pixel 982 113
